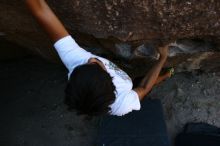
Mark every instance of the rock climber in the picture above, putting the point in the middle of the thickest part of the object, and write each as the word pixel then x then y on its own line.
pixel 96 86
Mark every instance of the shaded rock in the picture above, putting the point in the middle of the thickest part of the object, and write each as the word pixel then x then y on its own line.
pixel 147 50
pixel 123 50
pixel 9 51
pixel 134 23
pixel 190 46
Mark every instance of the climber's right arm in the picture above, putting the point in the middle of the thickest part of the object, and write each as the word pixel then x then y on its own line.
pixel 47 19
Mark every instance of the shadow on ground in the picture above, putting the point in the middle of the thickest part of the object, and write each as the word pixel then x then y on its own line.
pixel 32 109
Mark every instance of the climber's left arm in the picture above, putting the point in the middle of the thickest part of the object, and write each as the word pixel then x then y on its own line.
pixel 150 78
pixel 47 19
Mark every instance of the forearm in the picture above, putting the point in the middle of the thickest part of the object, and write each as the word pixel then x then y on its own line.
pixel 162 78
pixel 47 19
pixel 35 5
pixel 150 79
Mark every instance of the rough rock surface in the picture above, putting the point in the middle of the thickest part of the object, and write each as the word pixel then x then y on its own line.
pixel 130 29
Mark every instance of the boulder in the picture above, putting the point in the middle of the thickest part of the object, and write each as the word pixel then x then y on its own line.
pixel 128 30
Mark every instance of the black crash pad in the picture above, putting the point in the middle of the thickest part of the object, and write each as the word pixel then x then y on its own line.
pixel 139 128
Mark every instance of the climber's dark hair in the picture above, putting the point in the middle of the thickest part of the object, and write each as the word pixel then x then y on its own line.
pixel 90 90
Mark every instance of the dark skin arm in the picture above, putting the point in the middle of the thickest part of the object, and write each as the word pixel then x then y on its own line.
pixel 151 77
pixel 47 19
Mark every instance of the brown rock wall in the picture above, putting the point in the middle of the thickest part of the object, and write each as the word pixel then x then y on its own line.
pixel 107 24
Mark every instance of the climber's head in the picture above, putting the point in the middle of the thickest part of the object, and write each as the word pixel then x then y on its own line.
pixel 90 90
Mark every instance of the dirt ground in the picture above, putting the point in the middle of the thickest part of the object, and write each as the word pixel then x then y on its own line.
pixel 189 97
pixel 32 92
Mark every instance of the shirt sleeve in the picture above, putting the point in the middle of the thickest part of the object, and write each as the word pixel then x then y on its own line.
pixel 71 53
pixel 125 103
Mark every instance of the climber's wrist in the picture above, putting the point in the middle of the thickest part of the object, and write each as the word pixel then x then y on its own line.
pixel 163 58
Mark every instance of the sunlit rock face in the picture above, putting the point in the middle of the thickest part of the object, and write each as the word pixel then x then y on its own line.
pixel 126 29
